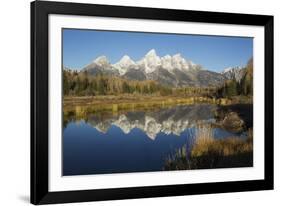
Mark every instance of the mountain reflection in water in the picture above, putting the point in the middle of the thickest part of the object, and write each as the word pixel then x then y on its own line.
pixel 132 141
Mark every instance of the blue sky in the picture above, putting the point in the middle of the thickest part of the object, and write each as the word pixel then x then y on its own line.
pixel 80 47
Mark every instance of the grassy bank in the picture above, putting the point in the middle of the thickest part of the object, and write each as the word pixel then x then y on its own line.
pixel 85 104
pixel 208 152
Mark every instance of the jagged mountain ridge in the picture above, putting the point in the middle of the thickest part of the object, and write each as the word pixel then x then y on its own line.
pixel 168 70
pixel 235 73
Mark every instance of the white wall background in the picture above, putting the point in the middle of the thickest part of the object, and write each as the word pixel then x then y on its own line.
pixel 14 101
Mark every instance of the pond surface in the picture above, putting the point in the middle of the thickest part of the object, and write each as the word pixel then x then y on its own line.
pixel 132 141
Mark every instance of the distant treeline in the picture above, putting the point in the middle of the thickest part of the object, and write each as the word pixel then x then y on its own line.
pixel 83 84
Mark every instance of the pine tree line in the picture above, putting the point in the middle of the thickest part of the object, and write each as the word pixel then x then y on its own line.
pixel 82 84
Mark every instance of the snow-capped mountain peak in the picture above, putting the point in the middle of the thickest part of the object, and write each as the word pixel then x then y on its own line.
pixel 231 69
pixel 179 62
pixel 177 56
pixel 167 56
pixel 102 61
pixel 226 70
pixel 124 64
pixel 151 52
pixel 126 58
pixel 166 62
pixel 176 61
pixel 233 73
pixel 150 61
pixel 126 61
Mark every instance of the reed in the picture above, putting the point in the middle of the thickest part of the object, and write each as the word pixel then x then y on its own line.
pixel 208 152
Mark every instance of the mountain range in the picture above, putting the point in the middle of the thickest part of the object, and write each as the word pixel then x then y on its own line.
pixel 168 70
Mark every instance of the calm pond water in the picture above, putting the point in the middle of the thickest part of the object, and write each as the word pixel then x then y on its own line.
pixel 132 141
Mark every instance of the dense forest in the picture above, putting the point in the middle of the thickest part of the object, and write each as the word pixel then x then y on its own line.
pixel 82 84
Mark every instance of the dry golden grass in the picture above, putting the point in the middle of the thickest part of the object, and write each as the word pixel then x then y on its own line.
pixel 209 152
pixel 93 104
pixel 205 144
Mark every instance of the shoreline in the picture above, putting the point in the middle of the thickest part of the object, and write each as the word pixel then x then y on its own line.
pixel 84 104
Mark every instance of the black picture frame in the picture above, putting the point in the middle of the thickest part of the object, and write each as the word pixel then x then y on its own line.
pixel 39 102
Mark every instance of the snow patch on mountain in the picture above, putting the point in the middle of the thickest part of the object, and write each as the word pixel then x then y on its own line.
pixel 180 63
pixel 226 70
pixel 102 61
pixel 150 61
pixel 124 64
pixel 235 73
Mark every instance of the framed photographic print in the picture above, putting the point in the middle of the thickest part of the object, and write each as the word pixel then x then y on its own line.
pixel 131 102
